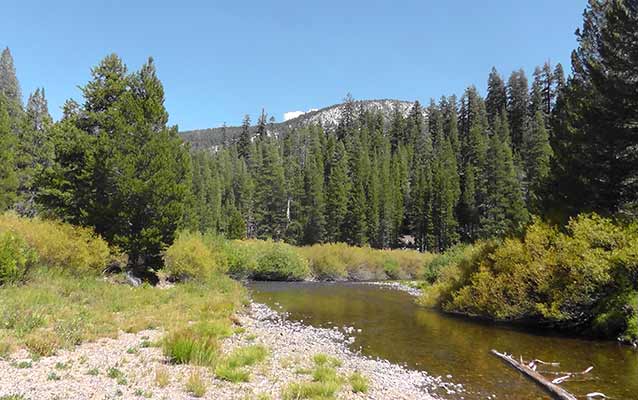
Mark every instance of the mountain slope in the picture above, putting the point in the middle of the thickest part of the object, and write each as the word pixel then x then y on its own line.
pixel 328 117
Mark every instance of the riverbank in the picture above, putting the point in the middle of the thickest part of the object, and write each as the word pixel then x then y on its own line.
pixel 131 366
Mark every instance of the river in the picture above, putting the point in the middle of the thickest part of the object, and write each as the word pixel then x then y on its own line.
pixel 393 327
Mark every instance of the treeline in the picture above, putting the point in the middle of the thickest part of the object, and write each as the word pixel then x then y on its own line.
pixel 458 170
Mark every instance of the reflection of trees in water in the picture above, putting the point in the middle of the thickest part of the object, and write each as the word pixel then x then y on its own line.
pixel 395 328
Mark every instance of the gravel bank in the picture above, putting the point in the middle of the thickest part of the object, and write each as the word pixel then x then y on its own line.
pixel 83 373
pixel 399 286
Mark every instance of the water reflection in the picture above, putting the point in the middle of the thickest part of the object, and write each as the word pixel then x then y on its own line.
pixel 393 327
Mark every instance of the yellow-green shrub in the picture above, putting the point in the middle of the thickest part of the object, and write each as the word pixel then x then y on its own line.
pixel 59 245
pixel 192 256
pixel 339 261
pixel 16 257
pixel 584 277
pixel 267 260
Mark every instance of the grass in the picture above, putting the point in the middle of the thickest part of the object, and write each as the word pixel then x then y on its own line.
pixel 53 377
pixel 358 382
pixel 231 368
pixel 118 375
pixel 55 310
pixel 162 377
pixel 93 372
pixel 23 364
pixel 195 385
pixel 325 383
pixel 13 397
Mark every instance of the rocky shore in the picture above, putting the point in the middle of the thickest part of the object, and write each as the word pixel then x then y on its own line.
pixel 127 367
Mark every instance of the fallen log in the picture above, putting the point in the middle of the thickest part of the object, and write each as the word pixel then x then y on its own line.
pixel 556 391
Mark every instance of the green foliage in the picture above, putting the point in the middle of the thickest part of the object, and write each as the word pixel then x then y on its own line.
pixel 267 260
pixel 192 256
pixel 58 245
pixel 8 176
pixel 195 385
pixel 231 368
pixel 16 258
pixel 583 278
pixel 190 346
pixel 358 382
pixel 339 261
pixel 118 167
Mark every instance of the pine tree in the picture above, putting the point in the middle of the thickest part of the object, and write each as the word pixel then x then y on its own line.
pixel 262 127
pixel 243 145
pixel 10 88
pixel 518 107
pixel 595 130
pixel 505 207
pixel 337 194
pixel 35 149
pixel 8 176
pixel 537 152
pixel 496 100
pixel 119 167
pixel 314 200
pixel 445 182
pixel 271 194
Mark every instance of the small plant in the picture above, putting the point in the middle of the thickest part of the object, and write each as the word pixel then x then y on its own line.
pixel 230 368
pixel 118 375
pixel 310 390
pixel 13 397
pixel 196 385
pixel 131 350
pixel 61 365
pixel 321 359
pixel 53 377
pixel 358 382
pixel 42 343
pixel 162 377
pixel 93 372
pixel 24 364
pixel 187 346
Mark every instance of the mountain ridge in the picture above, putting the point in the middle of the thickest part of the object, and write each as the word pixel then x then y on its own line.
pixel 328 117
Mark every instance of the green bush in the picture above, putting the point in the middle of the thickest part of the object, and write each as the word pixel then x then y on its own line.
pixel 266 260
pixel 583 278
pixel 59 245
pixel 191 257
pixel 16 258
pixel 339 261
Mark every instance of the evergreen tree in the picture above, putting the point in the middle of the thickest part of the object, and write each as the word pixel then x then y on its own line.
pixel 518 107
pixel 35 149
pixel 243 145
pixel 262 125
pixel 119 167
pixel 271 194
pixel 496 100
pixel 537 151
pixel 314 199
pixel 446 195
pixel 8 177
pixel 337 194
pixel 596 130
pixel 505 211
pixel 10 88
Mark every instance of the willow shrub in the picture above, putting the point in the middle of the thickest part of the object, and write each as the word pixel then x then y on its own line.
pixel 266 260
pixel 16 258
pixel 582 278
pixel 58 245
pixel 194 256
pixel 338 261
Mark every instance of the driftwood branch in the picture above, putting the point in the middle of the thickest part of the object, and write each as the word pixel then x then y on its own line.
pixel 556 391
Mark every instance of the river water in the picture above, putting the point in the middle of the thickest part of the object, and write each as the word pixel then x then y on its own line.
pixel 393 327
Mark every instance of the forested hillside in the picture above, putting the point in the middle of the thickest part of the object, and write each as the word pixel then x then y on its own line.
pixel 455 170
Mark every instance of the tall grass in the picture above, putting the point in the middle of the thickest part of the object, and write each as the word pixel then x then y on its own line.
pixel 55 310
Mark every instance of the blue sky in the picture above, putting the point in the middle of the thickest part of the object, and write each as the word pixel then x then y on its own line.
pixel 219 60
